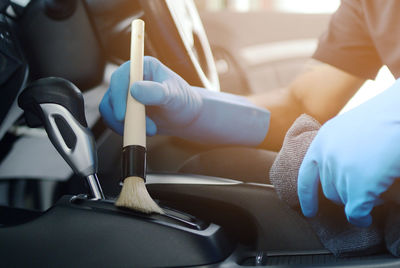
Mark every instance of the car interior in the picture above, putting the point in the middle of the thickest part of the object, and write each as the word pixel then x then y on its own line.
pixel 58 49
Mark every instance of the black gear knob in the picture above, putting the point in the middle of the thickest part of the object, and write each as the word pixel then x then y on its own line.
pixel 51 90
pixel 58 105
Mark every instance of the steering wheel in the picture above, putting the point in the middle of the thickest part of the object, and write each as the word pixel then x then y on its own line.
pixel 174 34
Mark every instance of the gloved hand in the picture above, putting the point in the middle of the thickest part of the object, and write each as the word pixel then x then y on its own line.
pixel 173 107
pixel 355 157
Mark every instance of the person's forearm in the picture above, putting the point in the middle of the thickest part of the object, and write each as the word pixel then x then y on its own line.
pixel 284 111
pixel 227 119
pixel 320 91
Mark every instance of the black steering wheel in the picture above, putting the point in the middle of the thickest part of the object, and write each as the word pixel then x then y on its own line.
pixel 174 34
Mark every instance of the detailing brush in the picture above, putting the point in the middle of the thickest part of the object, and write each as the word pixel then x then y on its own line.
pixel 134 194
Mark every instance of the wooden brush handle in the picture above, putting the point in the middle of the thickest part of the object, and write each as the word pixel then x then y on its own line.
pixel 135 120
pixel 134 145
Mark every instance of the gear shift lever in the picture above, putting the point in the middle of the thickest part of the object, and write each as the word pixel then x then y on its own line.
pixel 58 104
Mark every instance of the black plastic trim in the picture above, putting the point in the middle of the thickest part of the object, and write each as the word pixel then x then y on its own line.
pixel 78 232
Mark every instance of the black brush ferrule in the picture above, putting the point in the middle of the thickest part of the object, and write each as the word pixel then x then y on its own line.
pixel 134 162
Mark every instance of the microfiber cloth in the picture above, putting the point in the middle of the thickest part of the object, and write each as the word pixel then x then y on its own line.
pixel 330 224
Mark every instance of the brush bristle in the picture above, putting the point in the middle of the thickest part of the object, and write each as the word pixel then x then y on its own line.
pixel 134 195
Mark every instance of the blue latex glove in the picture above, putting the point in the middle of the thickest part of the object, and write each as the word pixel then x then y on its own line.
pixel 173 107
pixel 355 157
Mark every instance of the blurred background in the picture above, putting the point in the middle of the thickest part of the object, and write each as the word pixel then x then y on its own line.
pixel 262 44
pixel 296 6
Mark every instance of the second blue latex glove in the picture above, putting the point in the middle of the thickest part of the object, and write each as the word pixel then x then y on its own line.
pixel 173 107
pixel 355 157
